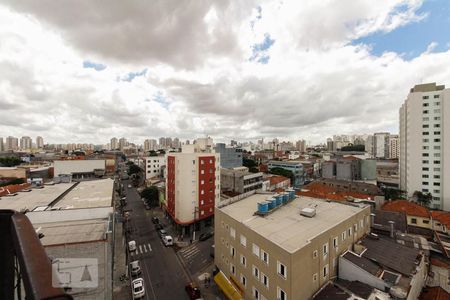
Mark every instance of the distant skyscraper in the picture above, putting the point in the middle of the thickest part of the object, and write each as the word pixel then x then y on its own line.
pixel 122 143
pixel 301 145
pixel 11 143
pixel 1 144
pixel 39 142
pixel 25 143
pixel 394 146
pixel 114 143
pixel 162 143
pixel 424 148
pixel 168 142
pixel 176 143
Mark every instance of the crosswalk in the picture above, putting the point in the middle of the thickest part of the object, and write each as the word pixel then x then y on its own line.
pixel 189 252
pixel 142 249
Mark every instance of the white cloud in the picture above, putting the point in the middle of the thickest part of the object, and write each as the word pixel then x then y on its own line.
pixel 197 58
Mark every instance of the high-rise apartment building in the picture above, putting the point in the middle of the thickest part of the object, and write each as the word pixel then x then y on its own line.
pixel 394 146
pixel 39 142
pixel 150 145
pixel 176 143
pixel 1 144
pixel 11 143
pixel 25 143
pixel 425 143
pixel 192 184
pixel 301 146
pixel 114 144
pixel 122 143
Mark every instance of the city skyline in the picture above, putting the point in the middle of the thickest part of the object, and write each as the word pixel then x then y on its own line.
pixel 246 71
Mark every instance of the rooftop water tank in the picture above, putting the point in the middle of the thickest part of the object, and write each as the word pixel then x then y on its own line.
pixel 291 194
pixel 270 203
pixel 263 207
pixel 285 197
pixel 279 200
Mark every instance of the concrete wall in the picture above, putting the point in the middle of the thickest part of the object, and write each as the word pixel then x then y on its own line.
pixel 78 166
pixel 368 169
pixel 351 272
pixel 440 278
pixel 13 173
pixel 329 169
pixel 418 280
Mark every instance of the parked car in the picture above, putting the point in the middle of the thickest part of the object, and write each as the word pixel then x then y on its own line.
pixel 129 186
pixel 138 288
pixel 167 240
pixel 193 291
pixel 132 246
pixel 162 232
pixel 205 236
pixel 147 207
pixel 155 220
pixel 159 226
pixel 135 268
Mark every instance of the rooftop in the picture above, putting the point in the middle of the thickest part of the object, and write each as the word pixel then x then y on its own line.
pixel 285 227
pixel 35 198
pixel 318 190
pixel 410 208
pixel 442 216
pixel 275 179
pixel 93 193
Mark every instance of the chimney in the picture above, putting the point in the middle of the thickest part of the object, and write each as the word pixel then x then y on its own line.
pixel 391 224
pixel 372 219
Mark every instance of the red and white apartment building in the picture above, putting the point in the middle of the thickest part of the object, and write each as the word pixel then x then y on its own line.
pixel 192 184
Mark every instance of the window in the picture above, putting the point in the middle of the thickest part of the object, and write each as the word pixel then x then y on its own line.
pixel 425 161
pixel 425 111
pixel 437 176
pixel 335 242
pixel 355 228
pixel 425 119
pixel 424 175
pixel 349 232
pixel 425 147
pixel 437 118
pixel 425 104
pixel 232 252
pixel 436 162
pixel 282 270
pixel 255 293
pixel 315 254
pixel 437 184
pixel 325 271
pixel 315 277
pixel 437 169
pixel 202 192
pixel 425 140
pixel 437 126
pixel 256 272
pixel 232 269
pixel 425 169
pixel 414 220
pixel 425 221
pixel 243 280
pixel 437 111
pixel 232 232
pixel 361 223
pixel 437 147
pixel 425 133
pixel 210 161
pixel 437 140
pixel 265 280
pixel 425 190
pixel 437 155
pixel 281 294
pixel 202 182
pixel 425 154
pixel 436 191
pixel 255 250
pixel 202 172
pixel 202 161
pixel 325 249
pixel 243 241
pixel 424 183
pixel 437 132
pixel 243 261
pixel 265 256
pixel 343 236
pixel 425 97
pixel 435 96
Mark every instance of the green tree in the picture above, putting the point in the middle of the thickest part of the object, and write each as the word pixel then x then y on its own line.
pixel 151 196
pixel 423 199
pixel 393 194
pixel 253 170
pixel 283 172
pixel 153 153
pixel 134 169
pixel 354 148
pixel 10 161
pixel 249 163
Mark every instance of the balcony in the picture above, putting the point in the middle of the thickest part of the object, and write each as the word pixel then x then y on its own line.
pixel 24 265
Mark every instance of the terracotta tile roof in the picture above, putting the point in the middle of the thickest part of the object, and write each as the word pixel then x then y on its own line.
pixel 277 179
pixel 439 263
pixel 410 208
pixel 10 189
pixel 434 293
pixel 318 190
pixel 441 216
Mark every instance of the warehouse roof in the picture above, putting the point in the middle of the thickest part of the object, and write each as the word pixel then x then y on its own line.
pixel 93 193
pixel 285 226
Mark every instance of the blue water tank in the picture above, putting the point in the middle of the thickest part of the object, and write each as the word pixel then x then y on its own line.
pixel 285 197
pixel 270 204
pixel 291 194
pixel 274 202
pixel 279 200
pixel 263 207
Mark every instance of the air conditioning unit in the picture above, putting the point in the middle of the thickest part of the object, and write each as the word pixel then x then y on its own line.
pixel 308 212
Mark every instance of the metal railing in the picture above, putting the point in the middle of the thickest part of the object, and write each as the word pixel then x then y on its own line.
pixel 24 261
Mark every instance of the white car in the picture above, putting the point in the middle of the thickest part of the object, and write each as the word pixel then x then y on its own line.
pixel 167 240
pixel 138 288
pixel 129 186
pixel 132 246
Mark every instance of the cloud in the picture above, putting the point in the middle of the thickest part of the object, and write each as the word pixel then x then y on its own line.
pixel 183 69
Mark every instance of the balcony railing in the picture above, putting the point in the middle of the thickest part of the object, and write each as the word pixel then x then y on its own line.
pixel 23 261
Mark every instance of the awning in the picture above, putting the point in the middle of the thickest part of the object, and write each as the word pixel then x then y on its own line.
pixel 229 290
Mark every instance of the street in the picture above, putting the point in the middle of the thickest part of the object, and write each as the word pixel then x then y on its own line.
pixel 163 275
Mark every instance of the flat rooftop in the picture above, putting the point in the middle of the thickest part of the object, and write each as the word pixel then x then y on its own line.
pixel 87 194
pixel 285 226
pixel 35 198
pixel 70 232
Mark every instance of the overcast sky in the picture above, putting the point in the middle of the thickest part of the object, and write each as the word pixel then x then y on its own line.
pixel 85 71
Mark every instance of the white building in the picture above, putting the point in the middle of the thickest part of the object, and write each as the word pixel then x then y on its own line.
pixel 424 118
pixel 381 145
pixel 150 145
pixel 154 166
pixel 11 143
pixel 79 168
pixel 394 146
pixel 192 183
pixel 39 142
pixel 1 144
pixel 114 144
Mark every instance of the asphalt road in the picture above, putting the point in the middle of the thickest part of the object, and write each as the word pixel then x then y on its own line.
pixel 163 275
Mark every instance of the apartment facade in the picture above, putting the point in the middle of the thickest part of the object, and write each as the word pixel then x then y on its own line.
pixel 285 255
pixel 294 166
pixel 154 166
pixel 394 146
pixel 240 180
pixel 192 185
pixel 39 142
pixel 425 143
pixel 229 157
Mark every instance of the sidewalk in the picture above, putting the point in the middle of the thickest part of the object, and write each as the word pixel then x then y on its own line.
pixel 121 289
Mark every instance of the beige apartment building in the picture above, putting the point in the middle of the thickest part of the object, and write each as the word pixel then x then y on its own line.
pixel 284 254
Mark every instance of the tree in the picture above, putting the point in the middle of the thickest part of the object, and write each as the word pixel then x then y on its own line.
pixel 393 194
pixel 151 196
pixel 133 169
pixel 283 172
pixel 249 163
pixel 153 153
pixel 10 161
pixel 253 170
pixel 423 199
pixel 354 148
